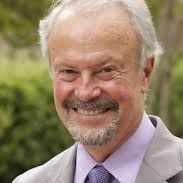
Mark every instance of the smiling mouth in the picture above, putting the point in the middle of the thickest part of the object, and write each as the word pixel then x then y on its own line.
pixel 90 112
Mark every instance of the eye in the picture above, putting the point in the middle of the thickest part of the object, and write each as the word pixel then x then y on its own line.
pixel 107 73
pixel 67 71
pixel 66 75
pixel 107 70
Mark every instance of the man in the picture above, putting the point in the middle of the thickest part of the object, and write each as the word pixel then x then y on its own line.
pixel 101 56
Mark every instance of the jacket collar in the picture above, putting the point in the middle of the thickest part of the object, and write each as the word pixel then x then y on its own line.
pixel 68 164
pixel 162 159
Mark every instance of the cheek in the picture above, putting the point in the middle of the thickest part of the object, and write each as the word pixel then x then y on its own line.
pixel 125 97
pixel 120 90
pixel 61 92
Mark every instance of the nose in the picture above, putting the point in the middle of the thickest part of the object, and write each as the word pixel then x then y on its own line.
pixel 87 90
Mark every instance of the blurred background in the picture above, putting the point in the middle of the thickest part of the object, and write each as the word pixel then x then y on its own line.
pixel 30 131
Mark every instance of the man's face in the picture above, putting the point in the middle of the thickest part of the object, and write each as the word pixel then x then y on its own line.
pixel 97 86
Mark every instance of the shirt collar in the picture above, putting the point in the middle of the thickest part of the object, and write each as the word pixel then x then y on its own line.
pixel 125 162
pixel 84 163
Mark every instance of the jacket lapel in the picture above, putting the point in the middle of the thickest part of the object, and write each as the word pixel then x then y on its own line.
pixel 162 159
pixel 147 174
pixel 68 161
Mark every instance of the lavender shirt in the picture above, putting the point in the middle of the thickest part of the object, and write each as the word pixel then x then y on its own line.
pixel 125 162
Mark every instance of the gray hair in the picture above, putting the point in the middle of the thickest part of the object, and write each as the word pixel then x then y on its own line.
pixel 137 9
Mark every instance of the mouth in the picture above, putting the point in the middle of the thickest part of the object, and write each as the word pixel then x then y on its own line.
pixel 90 112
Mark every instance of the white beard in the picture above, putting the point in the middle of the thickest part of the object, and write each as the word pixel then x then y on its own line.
pixel 94 136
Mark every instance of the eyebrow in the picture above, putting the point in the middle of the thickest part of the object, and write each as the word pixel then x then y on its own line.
pixel 107 60
pixel 60 64
pixel 104 62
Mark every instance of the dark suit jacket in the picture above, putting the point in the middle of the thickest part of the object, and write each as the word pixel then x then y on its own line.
pixel 162 163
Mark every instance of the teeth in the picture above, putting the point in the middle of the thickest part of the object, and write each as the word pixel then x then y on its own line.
pixel 90 112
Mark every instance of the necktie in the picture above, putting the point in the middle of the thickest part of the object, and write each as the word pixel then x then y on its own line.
pixel 99 175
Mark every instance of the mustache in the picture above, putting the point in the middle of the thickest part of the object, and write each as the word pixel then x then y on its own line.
pixel 105 103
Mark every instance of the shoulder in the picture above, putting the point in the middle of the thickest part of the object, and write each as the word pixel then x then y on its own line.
pixel 164 137
pixel 178 178
pixel 46 172
pixel 168 150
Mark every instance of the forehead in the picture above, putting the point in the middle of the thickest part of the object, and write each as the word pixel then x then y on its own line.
pixel 109 29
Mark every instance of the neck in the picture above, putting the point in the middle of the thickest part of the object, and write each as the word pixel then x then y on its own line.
pixel 101 153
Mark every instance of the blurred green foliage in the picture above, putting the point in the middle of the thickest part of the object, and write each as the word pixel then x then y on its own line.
pixel 176 121
pixel 30 131
pixel 154 8
pixel 19 20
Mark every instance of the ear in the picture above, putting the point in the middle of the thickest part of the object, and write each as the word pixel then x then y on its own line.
pixel 146 73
